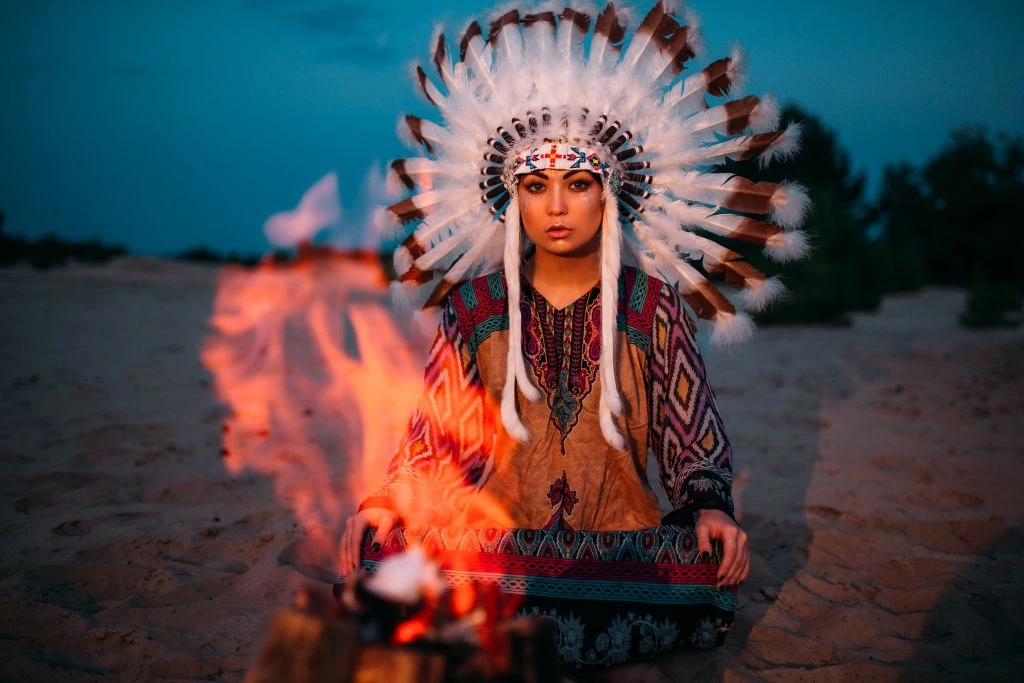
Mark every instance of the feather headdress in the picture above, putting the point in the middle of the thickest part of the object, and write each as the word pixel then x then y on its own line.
pixel 614 91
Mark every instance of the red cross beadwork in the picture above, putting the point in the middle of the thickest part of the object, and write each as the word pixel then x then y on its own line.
pixel 553 156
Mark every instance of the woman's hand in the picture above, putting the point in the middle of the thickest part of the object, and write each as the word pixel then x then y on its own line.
pixel 350 545
pixel 715 524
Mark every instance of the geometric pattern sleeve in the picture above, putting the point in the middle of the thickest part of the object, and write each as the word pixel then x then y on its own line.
pixel 445 452
pixel 686 432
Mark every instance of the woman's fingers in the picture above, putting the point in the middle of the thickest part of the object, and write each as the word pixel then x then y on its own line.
pixel 384 527
pixel 728 556
pixel 343 547
pixel 356 541
pixel 742 560
pixel 703 536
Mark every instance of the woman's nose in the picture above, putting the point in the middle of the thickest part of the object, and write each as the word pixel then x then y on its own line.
pixel 556 202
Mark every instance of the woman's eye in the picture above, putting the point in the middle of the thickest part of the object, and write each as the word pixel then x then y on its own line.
pixel 579 185
pixel 535 187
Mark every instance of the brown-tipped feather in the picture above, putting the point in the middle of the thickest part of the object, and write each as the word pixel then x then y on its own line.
pixel 715 267
pixel 754 231
pixel 635 165
pixel 608 24
pixel 680 50
pixel 707 301
pixel 650 27
pixel 759 142
pixel 413 246
pixel 421 78
pixel 738 113
pixel 581 20
pixel 546 17
pixel 406 211
pixel 510 17
pixel 398 166
pixel 416 275
pixel 739 272
pixel 441 56
pixel 440 293
pixel 716 75
pixel 415 125
pixel 472 31
pixel 747 196
pixel 667 28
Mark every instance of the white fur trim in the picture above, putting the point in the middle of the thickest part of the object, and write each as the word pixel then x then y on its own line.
pixel 611 259
pixel 515 367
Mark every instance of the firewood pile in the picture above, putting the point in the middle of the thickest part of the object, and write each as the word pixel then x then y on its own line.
pixel 385 628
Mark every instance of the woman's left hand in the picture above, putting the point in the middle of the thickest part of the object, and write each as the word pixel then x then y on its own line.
pixel 715 524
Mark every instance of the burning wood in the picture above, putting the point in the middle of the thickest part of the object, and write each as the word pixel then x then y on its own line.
pixel 404 624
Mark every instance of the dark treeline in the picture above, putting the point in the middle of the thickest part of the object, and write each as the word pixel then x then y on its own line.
pixel 950 222
pixel 50 251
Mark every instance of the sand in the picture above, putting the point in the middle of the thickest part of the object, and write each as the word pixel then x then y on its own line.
pixel 880 475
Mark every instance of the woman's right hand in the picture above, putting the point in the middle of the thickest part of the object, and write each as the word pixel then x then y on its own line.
pixel 350 545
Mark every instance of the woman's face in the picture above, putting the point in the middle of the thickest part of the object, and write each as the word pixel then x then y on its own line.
pixel 562 211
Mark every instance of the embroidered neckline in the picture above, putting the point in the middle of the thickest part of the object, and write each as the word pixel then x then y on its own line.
pixel 563 346
pixel 537 295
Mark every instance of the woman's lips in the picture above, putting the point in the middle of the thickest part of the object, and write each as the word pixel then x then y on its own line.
pixel 557 232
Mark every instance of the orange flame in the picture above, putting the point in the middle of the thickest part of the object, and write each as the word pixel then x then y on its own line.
pixel 318 374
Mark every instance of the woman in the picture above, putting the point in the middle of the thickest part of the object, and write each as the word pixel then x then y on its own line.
pixel 551 378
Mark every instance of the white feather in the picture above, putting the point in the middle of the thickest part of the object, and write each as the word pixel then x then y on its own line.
pixel 789 245
pixel 728 329
pixel 790 205
pixel 758 294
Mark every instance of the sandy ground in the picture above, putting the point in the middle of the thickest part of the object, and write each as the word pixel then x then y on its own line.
pixel 880 471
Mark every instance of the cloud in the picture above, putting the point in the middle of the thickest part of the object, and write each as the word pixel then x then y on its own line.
pixel 338 19
pixel 365 50
pixel 332 18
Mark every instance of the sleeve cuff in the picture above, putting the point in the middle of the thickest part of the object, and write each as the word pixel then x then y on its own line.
pixel 384 502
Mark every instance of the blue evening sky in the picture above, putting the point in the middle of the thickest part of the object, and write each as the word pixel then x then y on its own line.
pixel 163 124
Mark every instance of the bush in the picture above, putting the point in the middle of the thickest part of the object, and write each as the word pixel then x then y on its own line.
pixel 992 304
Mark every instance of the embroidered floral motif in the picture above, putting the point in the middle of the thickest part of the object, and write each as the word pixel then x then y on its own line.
pixel 563 499
pixel 706 635
pixel 614 643
pixel 569 632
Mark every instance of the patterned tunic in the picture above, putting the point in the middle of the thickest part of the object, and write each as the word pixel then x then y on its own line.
pixel 572 498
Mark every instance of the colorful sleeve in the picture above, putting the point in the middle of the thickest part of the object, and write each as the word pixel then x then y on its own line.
pixel 686 431
pixel 446 449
